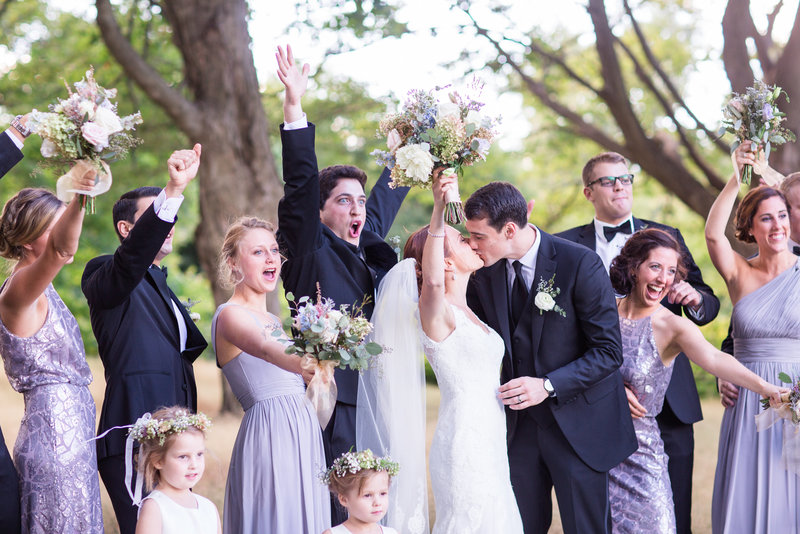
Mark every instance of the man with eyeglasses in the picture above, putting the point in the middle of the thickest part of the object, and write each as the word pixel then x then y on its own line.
pixel 608 185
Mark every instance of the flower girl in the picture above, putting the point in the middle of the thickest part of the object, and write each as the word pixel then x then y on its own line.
pixel 173 442
pixel 361 482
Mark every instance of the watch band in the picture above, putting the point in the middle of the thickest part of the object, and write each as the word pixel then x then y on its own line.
pixel 23 130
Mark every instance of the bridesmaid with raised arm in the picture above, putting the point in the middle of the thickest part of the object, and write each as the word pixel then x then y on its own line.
pixel 43 354
pixel 753 491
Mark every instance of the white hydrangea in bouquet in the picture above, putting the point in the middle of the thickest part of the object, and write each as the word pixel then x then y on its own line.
pixel 430 133
pixel 754 116
pixel 86 130
pixel 327 338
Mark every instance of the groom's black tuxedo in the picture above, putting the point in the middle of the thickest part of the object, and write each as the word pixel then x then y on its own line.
pixel 586 429
pixel 682 403
pixel 10 155
pixel 138 340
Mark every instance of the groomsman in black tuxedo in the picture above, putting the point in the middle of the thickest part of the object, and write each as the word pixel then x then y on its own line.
pixel 11 142
pixel 145 338
pixel 568 419
pixel 333 237
pixel 608 185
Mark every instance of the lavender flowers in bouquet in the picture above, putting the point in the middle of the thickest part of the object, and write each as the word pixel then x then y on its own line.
pixel 789 411
pixel 754 116
pixel 326 338
pixel 85 129
pixel 427 133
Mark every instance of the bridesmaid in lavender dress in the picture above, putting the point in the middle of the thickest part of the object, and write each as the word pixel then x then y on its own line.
pixel 273 480
pixel 44 359
pixel 651 261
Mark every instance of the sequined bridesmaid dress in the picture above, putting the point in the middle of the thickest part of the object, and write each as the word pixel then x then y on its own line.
pixel 56 461
pixel 639 489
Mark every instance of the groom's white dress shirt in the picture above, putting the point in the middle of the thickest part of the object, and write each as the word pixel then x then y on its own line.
pixel 528 261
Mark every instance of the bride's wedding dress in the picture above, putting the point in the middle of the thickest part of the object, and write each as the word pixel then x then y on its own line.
pixel 468 457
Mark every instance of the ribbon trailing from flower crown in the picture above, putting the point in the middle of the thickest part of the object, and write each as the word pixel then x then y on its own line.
pixel 790 453
pixel 65 186
pixel 322 390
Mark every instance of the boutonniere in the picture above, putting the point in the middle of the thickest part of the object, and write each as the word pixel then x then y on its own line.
pixel 188 304
pixel 546 295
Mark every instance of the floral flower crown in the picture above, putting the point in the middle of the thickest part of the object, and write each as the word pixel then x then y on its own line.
pixel 146 428
pixel 354 461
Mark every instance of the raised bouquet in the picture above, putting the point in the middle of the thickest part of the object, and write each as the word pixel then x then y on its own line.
pixel 326 338
pixel 754 116
pixel 85 129
pixel 789 410
pixel 427 133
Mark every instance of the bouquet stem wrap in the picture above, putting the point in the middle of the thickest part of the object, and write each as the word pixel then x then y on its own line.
pixel 65 186
pixel 454 210
pixel 322 390
pixel 790 454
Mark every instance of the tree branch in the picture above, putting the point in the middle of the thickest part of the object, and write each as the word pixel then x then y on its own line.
pixel 538 49
pixel 737 26
pixel 183 112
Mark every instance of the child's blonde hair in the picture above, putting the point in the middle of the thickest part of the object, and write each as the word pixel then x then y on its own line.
pixel 157 434
pixel 352 469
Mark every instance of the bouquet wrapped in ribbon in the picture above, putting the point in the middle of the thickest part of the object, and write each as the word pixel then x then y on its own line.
pixel 326 338
pixel 789 411
pixel 754 116
pixel 428 133
pixel 84 129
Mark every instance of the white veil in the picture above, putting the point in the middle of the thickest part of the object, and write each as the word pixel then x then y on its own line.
pixel 391 399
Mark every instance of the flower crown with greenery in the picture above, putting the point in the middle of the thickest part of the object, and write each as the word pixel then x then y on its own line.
pixel 146 428
pixel 354 461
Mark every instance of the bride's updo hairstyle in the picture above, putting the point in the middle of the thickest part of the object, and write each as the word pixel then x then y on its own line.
pixel 635 252
pixel 743 221
pixel 414 247
pixel 26 216
pixel 230 247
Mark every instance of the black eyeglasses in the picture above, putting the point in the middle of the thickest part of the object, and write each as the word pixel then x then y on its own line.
pixel 609 181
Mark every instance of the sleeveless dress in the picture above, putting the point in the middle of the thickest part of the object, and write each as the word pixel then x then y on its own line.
pixel 273 480
pixel 468 457
pixel 753 492
pixel 56 461
pixel 341 529
pixel 639 490
pixel 178 519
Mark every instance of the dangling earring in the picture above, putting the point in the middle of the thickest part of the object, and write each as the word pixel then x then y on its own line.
pixel 453 276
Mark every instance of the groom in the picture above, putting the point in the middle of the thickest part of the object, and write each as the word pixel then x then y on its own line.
pixel 567 415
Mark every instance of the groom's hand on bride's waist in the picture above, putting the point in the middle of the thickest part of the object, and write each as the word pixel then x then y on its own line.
pixel 522 392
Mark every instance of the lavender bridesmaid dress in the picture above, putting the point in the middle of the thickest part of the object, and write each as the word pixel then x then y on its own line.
pixel 56 461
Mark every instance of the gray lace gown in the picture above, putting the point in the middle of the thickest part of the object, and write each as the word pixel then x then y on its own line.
pixel 639 490
pixel 753 492
pixel 273 480
pixel 56 461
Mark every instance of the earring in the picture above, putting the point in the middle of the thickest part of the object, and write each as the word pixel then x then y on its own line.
pixel 453 276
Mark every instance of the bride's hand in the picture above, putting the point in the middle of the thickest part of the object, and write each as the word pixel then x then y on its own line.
pixel 442 183
pixel 745 155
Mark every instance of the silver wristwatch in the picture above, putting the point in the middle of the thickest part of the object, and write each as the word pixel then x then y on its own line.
pixel 23 130
pixel 548 387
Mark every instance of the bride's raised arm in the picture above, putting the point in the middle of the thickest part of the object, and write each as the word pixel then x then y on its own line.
pixel 435 315
pixel 728 262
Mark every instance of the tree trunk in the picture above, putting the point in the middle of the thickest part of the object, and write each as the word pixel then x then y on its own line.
pixel 223 112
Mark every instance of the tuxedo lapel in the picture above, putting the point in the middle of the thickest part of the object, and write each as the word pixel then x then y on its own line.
pixel 638 224
pixel 586 237
pixel 545 269
pixel 159 282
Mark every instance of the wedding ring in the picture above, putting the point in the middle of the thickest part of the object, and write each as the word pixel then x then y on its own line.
pixel 519 399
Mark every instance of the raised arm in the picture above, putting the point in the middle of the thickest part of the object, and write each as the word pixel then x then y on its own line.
pixel 296 82
pixel 728 262
pixel 435 315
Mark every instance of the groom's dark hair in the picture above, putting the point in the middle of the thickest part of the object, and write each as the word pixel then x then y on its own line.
pixel 499 202
pixel 125 208
pixel 330 176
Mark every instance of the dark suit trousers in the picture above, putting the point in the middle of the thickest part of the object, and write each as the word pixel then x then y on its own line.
pixel 9 491
pixel 338 437
pixel 679 445
pixel 541 458
pixel 112 472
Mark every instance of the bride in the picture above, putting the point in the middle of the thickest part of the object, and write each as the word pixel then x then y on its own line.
pixel 422 306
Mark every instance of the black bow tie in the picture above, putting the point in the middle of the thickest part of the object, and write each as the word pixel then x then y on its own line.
pixel 611 231
pixel 162 269
pixel 796 250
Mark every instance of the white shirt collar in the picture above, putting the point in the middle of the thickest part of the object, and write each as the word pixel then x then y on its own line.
pixel 599 225
pixel 528 261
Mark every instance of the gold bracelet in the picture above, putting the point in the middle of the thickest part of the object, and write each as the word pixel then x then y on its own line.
pixel 436 235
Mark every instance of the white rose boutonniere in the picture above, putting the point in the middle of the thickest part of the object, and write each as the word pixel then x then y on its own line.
pixel 545 298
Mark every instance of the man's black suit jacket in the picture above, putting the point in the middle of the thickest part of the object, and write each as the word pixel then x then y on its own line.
pixel 137 334
pixel 345 273
pixel 580 353
pixel 10 155
pixel 681 397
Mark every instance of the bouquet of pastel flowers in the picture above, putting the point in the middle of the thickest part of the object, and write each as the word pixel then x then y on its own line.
pixel 754 116
pixel 326 338
pixel 85 129
pixel 788 411
pixel 428 133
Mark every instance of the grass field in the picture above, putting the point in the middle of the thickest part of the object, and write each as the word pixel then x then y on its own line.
pixel 223 434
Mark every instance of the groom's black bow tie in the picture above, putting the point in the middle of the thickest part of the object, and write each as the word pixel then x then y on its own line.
pixel 796 250
pixel 611 231
pixel 163 269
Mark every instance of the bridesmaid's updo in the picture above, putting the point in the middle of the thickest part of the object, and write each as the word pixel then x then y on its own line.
pixel 635 252
pixel 414 247
pixel 743 221
pixel 26 216
pixel 228 278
